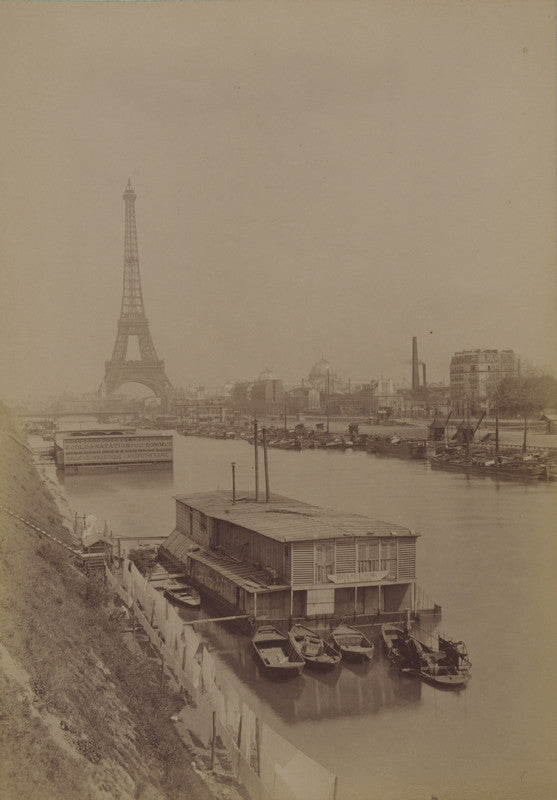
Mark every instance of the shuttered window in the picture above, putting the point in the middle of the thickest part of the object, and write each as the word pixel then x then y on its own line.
pixel 345 555
pixel 302 563
pixel 407 558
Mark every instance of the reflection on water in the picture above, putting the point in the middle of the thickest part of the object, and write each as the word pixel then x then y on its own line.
pixel 486 553
pixel 347 690
pixel 118 481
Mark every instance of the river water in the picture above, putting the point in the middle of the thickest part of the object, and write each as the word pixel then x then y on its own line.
pixel 486 554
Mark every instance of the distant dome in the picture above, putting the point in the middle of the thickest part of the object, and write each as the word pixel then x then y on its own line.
pixel 320 370
pixel 266 375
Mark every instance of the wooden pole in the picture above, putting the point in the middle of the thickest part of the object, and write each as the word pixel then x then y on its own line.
pixel 327 400
pixel 233 482
pixel 256 461
pixel 213 740
pixel 266 465
pixel 258 746
pixel 213 619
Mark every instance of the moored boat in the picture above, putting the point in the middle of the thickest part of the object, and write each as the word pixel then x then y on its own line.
pixel 447 666
pixel 275 653
pixel 314 650
pixel 481 461
pixel 182 594
pixel 397 446
pixel 351 643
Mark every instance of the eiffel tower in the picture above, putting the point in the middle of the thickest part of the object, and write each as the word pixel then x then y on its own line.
pixel 149 369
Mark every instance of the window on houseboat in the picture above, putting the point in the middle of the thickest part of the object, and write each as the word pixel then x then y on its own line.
pixel 388 557
pixel 368 556
pixel 324 561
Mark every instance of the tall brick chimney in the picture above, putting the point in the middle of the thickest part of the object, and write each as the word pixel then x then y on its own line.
pixel 415 365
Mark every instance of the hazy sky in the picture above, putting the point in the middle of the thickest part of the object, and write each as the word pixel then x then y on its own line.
pixel 313 179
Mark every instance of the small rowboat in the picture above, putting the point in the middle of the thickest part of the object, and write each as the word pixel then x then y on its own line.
pixel 447 668
pixel 183 595
pixel 275 653
pixel 351 643
pixel 316 652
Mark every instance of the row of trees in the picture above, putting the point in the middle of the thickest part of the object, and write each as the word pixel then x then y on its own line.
pixel 525 396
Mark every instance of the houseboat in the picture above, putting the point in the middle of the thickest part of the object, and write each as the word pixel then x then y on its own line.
pixel 285 560
pixel 111 450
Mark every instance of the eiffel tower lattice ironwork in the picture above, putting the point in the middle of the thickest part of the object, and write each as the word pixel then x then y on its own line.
pixel 149 369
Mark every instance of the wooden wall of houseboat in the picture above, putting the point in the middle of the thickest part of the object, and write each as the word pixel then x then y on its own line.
pixel 397 597
pixel 366 600
pixel 299 603
pixel 225 588
pixel 251 547
pixel 344 600
pixel 320 602
pixel 273 605
pixel 193 523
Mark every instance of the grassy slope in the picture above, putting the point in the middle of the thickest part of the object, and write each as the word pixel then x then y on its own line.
pixel 82 716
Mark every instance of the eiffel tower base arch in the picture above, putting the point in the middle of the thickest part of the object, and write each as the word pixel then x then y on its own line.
pixel 152 376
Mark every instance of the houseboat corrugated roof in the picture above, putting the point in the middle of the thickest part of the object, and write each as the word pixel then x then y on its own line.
pixel 287 520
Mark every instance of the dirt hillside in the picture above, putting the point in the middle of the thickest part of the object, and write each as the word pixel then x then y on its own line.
pixel 83 717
